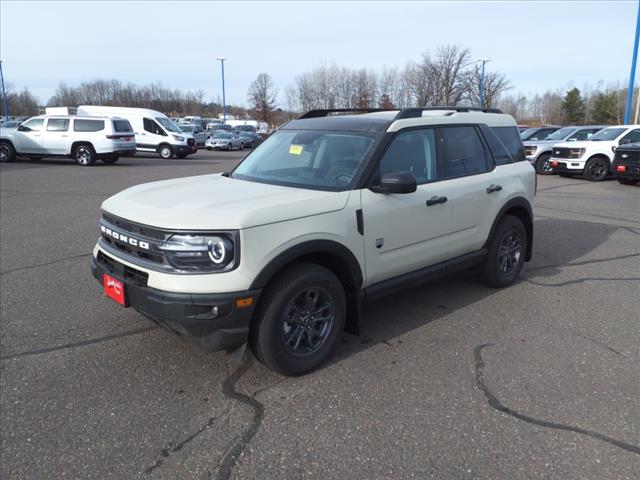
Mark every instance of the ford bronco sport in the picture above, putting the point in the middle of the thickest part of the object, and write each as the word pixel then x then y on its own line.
pixel 333 209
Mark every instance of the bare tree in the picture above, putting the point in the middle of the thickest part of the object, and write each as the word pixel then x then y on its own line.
pixel 262 96
pixel 495 84
pixel 445 73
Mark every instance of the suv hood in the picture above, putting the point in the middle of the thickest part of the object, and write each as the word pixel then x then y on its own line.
pixel 531 143
pixel 214 202
pixel 581 144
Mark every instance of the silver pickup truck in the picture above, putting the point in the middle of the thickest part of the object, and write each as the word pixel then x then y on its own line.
pixel 538 152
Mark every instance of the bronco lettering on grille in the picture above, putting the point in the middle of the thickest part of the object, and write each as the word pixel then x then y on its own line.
pixel 121 237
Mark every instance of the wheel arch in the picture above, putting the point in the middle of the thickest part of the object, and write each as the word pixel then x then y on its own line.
pixel 521 208
pixel 330 254
pixel 77 143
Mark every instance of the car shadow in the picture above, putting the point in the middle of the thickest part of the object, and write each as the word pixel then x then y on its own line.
pixel 557 243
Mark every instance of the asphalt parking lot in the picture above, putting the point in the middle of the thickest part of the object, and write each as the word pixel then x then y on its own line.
pixel 449 380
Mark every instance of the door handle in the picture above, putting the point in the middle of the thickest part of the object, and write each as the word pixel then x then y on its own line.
pixel 65 135
pixel 494 188
pixel 435 201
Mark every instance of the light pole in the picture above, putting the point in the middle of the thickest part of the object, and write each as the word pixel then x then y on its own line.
pixel 483 60
pixel 5 107
pixel 634 59
pixel 224 103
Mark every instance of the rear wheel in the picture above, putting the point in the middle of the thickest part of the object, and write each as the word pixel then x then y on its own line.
pixel 506 253
pixel 628 181
pixel 110 160
pixel 596 169
pixel 7 152
pixel 84 155
pixel 241 146
pixel 543 167
pixel 299 319
pixel 165 151
pixel 229 147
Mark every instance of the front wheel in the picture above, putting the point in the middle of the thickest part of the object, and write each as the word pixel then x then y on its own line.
pixel 596 169
pixel 7 152
pixel 166 152
pixel 84 155
pixel 229 147
pixel 299 319
pixel 543 166
pixel 506 252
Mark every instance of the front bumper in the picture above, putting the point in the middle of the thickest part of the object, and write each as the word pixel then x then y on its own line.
pixel 184 149
pixel 189 316
pixel 566 165
pixel 631 171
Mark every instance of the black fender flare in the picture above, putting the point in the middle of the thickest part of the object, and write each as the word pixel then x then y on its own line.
pixel 306 248
pixel 520 203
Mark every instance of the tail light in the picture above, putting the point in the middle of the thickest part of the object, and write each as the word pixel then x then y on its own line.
pixel 621 168
pixel 126 138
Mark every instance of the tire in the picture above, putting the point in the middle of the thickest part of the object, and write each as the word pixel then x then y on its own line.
pixel 110 160
pixel 284 346
pixel 84 155
pixel 181 155
pixel 628 181
pixel 209 148
pixel 7 152
pixel 229 147
pixel 596 169
pixel 500 269
pixel 543 167
pixel 165 151
pixel 241 147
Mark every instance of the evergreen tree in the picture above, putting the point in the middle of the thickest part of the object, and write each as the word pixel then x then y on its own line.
pixel 604 109
pixel 573 107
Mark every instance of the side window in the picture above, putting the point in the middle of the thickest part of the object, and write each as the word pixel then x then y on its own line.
pixel 510 138
pixel 33 125
pixel 545 132
pixel 583 134
pixel 501 154
pixel 58 125
pixel 80 125
pixel 632 137
pixel 413 151
pixel 462 152
pixel 152 127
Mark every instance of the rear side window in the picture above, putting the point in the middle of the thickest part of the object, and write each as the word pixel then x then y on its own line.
pixel 462 152
pixel 122 126
pixel 80 125
pixel 499 151
pixel 58 125
pixel 510 138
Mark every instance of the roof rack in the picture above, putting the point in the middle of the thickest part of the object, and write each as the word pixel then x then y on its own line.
pixel 325 112
pixel 417 112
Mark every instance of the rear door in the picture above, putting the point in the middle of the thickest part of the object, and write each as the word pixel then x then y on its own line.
pixel 55 137
pixel 406 232
pixel 28 138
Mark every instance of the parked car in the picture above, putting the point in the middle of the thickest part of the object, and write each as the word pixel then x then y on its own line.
pixel 213 124
pixel 197 132
pixel 249 139
pixel 155 132
pixel 592 158
pixel 538 152
pixel 221 140
pixel 626 164
pixel 538 133
pixel 85 139
pixel 328 212
pixel 10 124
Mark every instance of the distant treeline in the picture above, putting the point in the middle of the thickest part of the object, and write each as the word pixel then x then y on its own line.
pixel 446 76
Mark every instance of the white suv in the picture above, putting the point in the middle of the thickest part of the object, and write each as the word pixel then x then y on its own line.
pixel 330 211
pixel 85 139
pixel 592 158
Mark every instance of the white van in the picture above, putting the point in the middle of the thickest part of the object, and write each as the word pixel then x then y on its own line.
pixel 154 131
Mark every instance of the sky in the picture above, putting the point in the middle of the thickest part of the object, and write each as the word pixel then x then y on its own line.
pixel 537 45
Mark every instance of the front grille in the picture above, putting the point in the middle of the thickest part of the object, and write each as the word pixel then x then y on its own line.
pixel 130 275
pixel 191 142
pixel 561 152
pixel 127 231
pixel 134 228
pixel 626 157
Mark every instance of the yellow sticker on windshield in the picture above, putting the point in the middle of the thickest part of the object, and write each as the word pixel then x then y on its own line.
pixel 295 149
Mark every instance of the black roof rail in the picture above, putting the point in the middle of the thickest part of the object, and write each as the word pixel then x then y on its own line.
pixel 417 112
pixel 325 112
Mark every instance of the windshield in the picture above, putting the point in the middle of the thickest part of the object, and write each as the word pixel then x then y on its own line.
pixel 306 159
pixel 608 134
pixel 168 124
pixel 186 128
pixel 561 134
pixel 222 135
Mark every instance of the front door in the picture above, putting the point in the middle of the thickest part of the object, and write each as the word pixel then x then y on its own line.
pixel 151 136
pixel 406 232
pixel 28 138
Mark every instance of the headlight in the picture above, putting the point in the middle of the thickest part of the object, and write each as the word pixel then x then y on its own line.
pixel 200 252
pixel 576 152
pixel 178 138
pixel 528 151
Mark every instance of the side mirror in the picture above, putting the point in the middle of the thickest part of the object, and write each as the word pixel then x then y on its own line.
pixel 572 139
pixel 22 129
pixel 395 182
